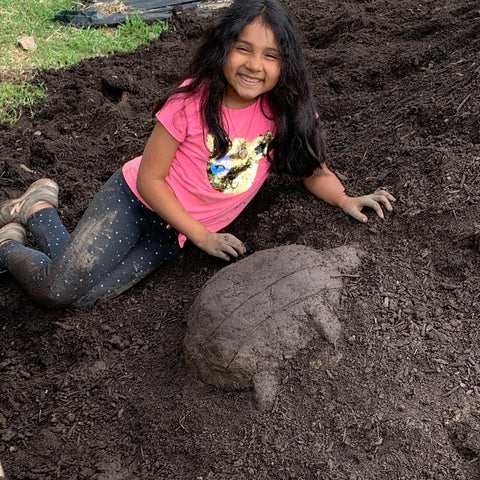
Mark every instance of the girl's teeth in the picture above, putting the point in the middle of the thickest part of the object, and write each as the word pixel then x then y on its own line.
pixel 249 80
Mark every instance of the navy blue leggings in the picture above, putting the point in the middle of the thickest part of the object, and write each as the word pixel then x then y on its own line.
pixel 117 242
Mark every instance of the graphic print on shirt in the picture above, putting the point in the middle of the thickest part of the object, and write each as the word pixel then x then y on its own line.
pixel 236 171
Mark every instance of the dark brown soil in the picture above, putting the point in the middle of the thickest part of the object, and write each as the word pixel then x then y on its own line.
pixel 103 392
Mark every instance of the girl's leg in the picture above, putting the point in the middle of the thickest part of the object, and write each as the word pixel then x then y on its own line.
pixel 112 229
pixel 51 237
pixel 156 247
pixel 131 243
pixel 50 234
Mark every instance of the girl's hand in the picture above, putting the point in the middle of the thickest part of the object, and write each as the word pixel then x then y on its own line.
pixel 353 205
pixel 222 245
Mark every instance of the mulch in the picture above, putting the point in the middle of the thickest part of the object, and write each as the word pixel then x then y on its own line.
pixel 103 393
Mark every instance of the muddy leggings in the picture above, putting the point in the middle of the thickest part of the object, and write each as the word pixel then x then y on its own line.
pixel 117 242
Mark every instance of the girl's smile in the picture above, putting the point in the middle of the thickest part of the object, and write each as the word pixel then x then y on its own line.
pixel 253 65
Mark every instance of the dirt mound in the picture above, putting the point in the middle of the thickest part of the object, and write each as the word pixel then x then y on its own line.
pixel 103 393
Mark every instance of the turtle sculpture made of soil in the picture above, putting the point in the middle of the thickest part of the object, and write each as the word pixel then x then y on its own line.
pixel 255 313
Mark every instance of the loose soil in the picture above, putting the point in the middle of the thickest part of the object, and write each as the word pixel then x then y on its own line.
pixel 103 392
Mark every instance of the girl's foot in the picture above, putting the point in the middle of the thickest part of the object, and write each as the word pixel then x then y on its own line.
pixel 17 210
pixel 13 231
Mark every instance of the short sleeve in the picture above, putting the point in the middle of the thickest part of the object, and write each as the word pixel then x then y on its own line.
pixel 173 117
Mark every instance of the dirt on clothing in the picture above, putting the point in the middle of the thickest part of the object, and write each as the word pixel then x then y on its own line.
pixel 103 392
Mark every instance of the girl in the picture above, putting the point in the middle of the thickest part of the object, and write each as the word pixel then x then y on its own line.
pixel 243 108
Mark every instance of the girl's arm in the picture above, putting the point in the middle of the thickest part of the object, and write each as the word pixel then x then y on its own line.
pixel 156 162
pixel 325 185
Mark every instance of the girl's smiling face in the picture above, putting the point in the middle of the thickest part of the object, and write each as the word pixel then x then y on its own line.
pixel 252 66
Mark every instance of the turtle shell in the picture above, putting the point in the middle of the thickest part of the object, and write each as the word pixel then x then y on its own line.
pixel 254 313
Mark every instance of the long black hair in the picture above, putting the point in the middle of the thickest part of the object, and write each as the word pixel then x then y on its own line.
pixel 298 144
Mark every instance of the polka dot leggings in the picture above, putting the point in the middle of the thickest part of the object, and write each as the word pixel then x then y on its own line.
pixel 117 242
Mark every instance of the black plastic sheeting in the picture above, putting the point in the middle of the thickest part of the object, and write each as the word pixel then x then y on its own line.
pixel 114 12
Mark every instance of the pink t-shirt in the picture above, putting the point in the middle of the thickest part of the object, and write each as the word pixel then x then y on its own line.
pixel 213 191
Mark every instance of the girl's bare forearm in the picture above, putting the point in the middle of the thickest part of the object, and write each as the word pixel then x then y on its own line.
pixel 325 185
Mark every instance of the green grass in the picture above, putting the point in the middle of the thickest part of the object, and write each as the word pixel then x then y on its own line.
pixel 57 47
pixel 14 95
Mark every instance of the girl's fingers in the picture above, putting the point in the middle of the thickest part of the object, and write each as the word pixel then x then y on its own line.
pixel 358 215
pixel 375 201
pixel 230 251
pixel 385 194
pixel 231 246
pixel 235 243
pixel 375 206
pixel 223 256
pixel 384 201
